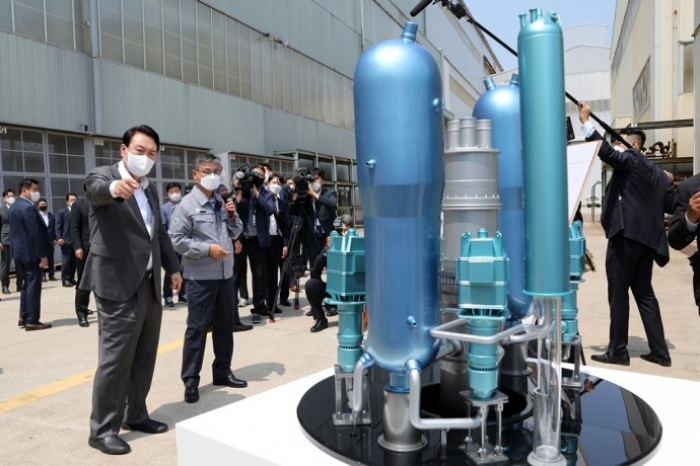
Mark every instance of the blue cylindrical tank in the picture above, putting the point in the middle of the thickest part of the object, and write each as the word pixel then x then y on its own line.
pixel 501 105
pixel 399 139
pixel 543 117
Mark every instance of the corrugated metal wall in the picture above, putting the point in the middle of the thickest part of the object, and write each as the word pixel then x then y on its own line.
pixel 44 86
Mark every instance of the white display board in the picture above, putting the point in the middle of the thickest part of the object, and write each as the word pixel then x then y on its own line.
pixel 580 164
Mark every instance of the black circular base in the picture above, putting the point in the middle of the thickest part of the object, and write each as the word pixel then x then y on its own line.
pixel 606 425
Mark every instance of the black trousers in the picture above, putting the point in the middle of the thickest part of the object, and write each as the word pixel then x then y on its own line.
pixel 68 263
pixel 313 245
pixel 30 297
pixel 272 258
pixel 258 267
pixel 167 290
pixel 315 293
pixel 127 346
pixel 628 266
pixel 284 290
pixel 240 272
pixel 82 297
pixel 207 301
pixel 5 259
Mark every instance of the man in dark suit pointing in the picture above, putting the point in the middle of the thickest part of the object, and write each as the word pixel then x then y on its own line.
pixel 633 218
pixel 128 244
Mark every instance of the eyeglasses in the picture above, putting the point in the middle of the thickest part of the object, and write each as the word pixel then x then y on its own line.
pixel 210 172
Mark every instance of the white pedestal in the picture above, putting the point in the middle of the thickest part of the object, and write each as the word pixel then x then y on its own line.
pixel 263 430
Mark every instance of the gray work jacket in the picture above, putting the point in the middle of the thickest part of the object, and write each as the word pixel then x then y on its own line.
pixel 194 226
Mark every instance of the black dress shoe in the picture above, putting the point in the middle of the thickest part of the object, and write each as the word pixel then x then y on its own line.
pixel 331 312
pixel 191 395
pixel 90 312
pixel 609 358
pixel 83 322
pixel 320 324
pixel 241 327
pixel 72 282
pixel 67 285
pixel 53 279
pixel 278 310
pixel 21 322
pixel 38 326
pixel 661 361
pixel 112 445
pixel 309 313
pixel 231 381
pixel 169 302
pixel 182 300
pixel 285 303
pixel 44 279
pixel 149 426
pixel 256 319
pixel 5 290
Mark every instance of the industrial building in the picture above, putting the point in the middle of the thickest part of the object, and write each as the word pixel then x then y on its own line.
pixel 253 81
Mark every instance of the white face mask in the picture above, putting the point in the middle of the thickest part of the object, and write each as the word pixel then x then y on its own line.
pixel 316 186
pixel 210 182
pixel 35 196
pixel 175 197
pixel 10 200
pixel 275 189
pixel 139 165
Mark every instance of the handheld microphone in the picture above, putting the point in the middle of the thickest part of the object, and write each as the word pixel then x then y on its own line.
pixel 420 7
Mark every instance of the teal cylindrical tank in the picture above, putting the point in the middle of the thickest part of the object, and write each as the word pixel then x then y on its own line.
pixel 501 105
pixel 543 125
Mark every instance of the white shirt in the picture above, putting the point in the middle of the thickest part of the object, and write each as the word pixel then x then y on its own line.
pixel 45 217
pixel 141 200
pixel 273 222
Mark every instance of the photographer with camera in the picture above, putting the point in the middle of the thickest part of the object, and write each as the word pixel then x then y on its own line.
pixel 254 205
pixel 320 207
pixel 315 287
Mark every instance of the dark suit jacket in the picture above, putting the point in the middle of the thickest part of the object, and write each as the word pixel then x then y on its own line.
pixel 678 234
pixel 283 218
pixel 326 209
pixel 51 227
pixel 80 224
pixel 636 198
pixel 30 238
pixel 63 225
pixel 263 210
pixel 119 242
pixel 4 223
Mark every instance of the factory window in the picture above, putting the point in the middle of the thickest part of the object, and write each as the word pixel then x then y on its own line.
pixel 59 23
pixel 154 35
pixel 133 33
pixel 6 17
pixel 111 30
pixel 687 51
pixel 29 18
pixel 206 73
pixel 218 23
pixel 171 44
pixel 66 154
pixel 188 25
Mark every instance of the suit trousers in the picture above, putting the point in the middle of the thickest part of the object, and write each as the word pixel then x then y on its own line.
pixel 207 301
pixel 284 290
pixel 315 293
pixel 240 274
pixel 5 259
pixel 30 296
pixel 258 265
pixel 629 264
pixel 127 345
pixel 272 257
pixel 68 263
pixel 51 266
pixel 82 297
pixel 167 290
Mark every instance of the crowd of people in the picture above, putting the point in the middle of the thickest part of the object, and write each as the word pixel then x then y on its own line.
pixel 118 237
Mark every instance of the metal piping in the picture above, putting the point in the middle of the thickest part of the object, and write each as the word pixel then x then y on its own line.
pixel 431 424
pixel 364 363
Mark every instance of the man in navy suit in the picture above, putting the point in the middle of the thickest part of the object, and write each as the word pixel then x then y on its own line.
pixel 50 222
pixel 65 240
pixel 255 207
pixel 30 249
pixel 637 196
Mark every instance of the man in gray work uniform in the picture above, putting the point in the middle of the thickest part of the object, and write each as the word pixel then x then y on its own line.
pixel 201 229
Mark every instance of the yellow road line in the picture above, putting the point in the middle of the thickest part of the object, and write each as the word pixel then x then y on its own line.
pixel 69 382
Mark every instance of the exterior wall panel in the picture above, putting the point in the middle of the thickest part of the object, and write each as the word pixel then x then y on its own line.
pixel 43 85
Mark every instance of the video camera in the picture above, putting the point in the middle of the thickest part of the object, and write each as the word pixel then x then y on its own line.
pixel 247 178
pixel 301 183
